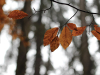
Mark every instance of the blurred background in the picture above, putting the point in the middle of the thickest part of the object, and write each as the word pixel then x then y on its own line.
pixel 21 41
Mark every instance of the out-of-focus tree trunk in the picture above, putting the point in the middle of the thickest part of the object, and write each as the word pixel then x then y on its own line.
pixel 39 38
pixel 39 33
pixel 22 51
pixel 98 5
pixel 85 55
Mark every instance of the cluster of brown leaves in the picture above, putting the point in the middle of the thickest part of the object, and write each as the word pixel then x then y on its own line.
pixel 3 18
pixel 17 14
pixel 65 37
pixel 10 20
pixel 50 36
pixel 17 33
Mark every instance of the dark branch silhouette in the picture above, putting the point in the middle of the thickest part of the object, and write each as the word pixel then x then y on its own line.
pixel 44 9
pixel 74 7
pixel 64 4
pixel 71 17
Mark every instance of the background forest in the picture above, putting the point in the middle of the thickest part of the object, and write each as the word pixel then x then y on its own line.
pixel 21 41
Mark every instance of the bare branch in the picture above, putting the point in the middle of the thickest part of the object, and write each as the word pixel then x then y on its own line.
pixel 74 7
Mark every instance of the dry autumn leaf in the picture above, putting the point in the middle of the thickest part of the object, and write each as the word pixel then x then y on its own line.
pixel 72 26
pixel 49 35
pixel 54 44
pixel 97 28
pixel 2 2
pixel 17 14
pixel 96 34
pixel 65 37
pixel 1 10
pixel 79 31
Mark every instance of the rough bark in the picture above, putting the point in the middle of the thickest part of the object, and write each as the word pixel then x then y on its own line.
pixel 85 55
pixel 22 51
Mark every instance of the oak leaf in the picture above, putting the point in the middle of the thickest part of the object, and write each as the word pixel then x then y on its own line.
pixel 79 31
pixel 72 26
pixel 54 44
pixel 65 37
pixel 17 14
pixel 50 35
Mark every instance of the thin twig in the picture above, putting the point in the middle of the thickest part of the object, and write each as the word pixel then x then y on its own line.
pixel 42 10
pixel 66 22
pixel 71 17
pixel 47 8
pixel 74 7
pixel 91 23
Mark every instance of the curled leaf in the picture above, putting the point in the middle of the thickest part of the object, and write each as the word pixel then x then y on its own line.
pixel 54 44
pixel 72 26
pixel 17 14
pixel 49 35
pixel 79 31
pixel 65 37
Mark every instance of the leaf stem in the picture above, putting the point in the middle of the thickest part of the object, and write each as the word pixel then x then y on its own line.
pixel 66 22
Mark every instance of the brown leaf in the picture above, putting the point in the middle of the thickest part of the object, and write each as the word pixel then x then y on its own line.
pixel 1 10
pixel 49 35
pixel 54 44
pixel 96 34
pixel 72 26
pixel 65 37
pixel 17 14
pixel 79 31
pixel 2 2
pixel 97 28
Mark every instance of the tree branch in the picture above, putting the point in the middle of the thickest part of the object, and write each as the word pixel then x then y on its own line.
pixel 45 9
pixel 73 7
pixel 72 17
